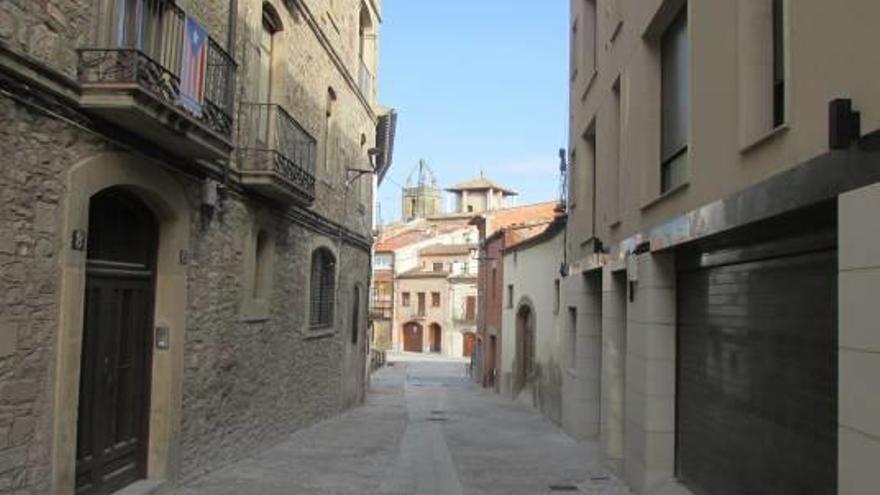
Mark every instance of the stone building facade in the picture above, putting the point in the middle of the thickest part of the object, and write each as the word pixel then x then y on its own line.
pixel 435 303
pixel 721 183
pixel 251 204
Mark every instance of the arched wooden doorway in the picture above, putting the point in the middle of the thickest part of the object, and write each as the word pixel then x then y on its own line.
pixel 525 342
pixel 436 337
pixel 114 399
pixel 412 337
pixel 468 344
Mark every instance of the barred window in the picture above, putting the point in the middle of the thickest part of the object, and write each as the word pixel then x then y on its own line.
pixel 322 288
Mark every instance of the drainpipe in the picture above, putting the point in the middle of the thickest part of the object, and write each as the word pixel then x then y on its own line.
pixel 231 32
pixel 233 24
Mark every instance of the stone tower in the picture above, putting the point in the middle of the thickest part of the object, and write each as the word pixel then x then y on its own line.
pixel 421 196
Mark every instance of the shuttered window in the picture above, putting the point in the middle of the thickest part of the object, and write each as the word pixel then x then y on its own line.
pixel 470 313
pixel 322 288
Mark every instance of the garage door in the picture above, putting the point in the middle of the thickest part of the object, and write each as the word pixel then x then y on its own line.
pixel 757 367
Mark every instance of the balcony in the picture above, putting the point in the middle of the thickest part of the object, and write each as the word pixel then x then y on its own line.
pixel 278 155
pixel 134 81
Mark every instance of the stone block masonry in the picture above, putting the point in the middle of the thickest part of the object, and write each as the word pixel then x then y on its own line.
pixel 246 384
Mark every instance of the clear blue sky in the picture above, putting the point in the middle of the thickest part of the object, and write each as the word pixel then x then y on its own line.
pixel 479 85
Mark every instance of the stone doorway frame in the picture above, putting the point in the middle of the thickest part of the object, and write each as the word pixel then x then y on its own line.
pixel 167 200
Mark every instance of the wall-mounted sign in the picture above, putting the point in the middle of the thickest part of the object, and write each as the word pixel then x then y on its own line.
pixel 78 240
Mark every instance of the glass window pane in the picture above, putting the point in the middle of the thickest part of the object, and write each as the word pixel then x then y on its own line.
pixel 674 87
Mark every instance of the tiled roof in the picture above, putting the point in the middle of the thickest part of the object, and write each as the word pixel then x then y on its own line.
pixel 479 184
pixel 533 235
pixel 521 216
pixel 516 235
pixel 417 232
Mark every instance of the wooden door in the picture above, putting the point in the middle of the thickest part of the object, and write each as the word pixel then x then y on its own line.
pixel 490 363
pixel 412 337
pixel 115 361
pixel 436 333
pixel 468 345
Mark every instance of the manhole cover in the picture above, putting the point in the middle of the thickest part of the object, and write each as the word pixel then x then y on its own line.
pixel 563 488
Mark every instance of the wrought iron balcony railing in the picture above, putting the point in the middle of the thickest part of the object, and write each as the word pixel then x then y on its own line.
pixel 145 53
pixel 278 154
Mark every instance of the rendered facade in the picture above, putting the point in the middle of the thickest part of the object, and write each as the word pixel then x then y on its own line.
pixel 721 176
pixel 185 252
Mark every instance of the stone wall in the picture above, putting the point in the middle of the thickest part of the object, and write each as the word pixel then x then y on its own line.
pixel 36 152
pixel 246 383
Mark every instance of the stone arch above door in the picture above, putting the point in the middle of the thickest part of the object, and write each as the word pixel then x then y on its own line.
pixel 162 194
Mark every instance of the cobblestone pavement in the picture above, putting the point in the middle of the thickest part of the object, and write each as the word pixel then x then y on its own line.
pixel 423 430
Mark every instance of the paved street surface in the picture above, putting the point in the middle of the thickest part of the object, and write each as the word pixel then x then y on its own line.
pixel 423 430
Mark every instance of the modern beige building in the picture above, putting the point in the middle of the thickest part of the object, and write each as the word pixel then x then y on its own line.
pixel 185 234
pixel 721 186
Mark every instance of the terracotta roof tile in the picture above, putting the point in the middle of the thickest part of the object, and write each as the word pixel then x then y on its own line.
pixel 520 216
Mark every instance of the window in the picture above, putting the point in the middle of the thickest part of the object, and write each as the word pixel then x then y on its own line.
pixel 572 337
pixel 404 299
pixel 137 24
pixel 382 261
pixel 330 144
pixel 470 309
pixel 355 314
pixel 778 63
pixel 556 296
pixel 613 211
pixel 366 42
pixel 494 282
pixel 422 310
pixel 262 266
pixel 590 188
pixel 761 69
pixel 259 257
pixel 572 181
pixel 573 50
pixel 435 299
pixel 674 104
pixel 510 296
pixel 322 288
pixel 590 37
pixel 271 25
pixel 438 267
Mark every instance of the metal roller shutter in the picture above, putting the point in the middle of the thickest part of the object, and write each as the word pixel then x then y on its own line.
pixel 757 367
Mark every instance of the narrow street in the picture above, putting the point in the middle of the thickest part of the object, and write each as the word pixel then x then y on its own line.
pixel 423 430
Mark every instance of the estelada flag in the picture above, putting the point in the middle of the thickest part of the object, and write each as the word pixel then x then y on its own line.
pixel 193 66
